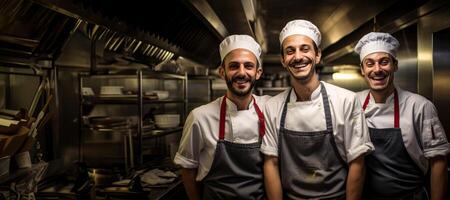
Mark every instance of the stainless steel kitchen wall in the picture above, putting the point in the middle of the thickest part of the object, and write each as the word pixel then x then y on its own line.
pixel 19 91
pixel 68 96
pixel 441 81
pixel 433 61
pixel 406 76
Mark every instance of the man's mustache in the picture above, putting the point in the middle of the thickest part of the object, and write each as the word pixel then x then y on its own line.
pixel 300 62
pixel 240 78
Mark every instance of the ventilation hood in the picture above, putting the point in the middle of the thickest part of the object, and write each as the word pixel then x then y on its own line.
pixel 30 32
pixel 138 27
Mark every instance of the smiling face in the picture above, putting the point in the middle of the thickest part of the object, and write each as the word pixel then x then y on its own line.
pixel 240 71
pixel 378 69
pixel 300 56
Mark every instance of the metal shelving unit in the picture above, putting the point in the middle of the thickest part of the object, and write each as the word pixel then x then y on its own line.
pixel 201 97
pixel 139 100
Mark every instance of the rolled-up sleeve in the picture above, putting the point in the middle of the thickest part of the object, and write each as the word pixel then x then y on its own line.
pixel 356 134
pixel 269 144
pixel 191 144
pixel 434 140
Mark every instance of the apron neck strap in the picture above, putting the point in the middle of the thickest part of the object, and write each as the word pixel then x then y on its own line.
pixel 326 106
pixel 396 107
pixel 223 110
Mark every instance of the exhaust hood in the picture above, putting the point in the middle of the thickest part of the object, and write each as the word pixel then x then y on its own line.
pixel 150 34
pixel 30 32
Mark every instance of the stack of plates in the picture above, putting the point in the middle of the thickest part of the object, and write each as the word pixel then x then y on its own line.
pixel 167 120
pixel 111 90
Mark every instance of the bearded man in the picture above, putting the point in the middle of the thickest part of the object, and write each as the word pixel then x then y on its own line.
pixel 219 149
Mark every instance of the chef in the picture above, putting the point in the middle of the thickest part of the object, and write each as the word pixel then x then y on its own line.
pixel 316 137
pixel 221 140
pixel 404 127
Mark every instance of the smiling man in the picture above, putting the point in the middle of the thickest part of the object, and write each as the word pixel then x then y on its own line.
pixel 316 136
pixel 219 149
pixel 404 127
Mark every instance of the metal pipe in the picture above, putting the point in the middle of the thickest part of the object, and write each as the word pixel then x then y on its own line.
pixel 141 116
pixel 93 69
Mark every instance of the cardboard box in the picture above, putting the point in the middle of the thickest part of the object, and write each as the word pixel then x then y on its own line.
pixel 14 142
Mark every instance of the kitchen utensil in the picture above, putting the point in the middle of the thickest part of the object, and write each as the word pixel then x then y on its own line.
pixel 33 131
pixel 36 98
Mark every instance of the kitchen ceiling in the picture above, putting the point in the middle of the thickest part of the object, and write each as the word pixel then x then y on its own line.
pixel 336 19
pixel 194 28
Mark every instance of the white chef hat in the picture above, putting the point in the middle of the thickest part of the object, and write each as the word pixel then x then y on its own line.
pixel 233 42
pixel 377 42
pixel 301 27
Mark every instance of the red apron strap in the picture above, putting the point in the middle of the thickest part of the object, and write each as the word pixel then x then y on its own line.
pixel 262 124
pixel 366 102
pixel 223 111
pixel 396 108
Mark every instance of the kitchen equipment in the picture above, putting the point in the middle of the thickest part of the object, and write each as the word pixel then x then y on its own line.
pixel 23 160
pixel 109 122
pixel 124 193
pixel 167 120
pixel 103 177
pixel 87 91
pixel 14 142
pixel 161 94
pixel 111 90
pixel 4 165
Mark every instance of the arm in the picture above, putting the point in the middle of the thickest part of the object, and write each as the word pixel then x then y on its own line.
pixel 355 179
pixel 187 157
pixel 272 178
pixel 438 177
pixel 190 184
pixel 435 147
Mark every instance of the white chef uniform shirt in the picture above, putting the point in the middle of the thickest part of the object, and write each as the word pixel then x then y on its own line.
pixel 418 120
pixel 349 129
pixel 201 132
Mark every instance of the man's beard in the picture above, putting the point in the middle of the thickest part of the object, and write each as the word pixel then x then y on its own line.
pixel 236 92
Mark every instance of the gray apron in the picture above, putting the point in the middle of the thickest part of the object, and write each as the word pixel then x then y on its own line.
pixel 237 169
pixel 390 171
pixel 309 162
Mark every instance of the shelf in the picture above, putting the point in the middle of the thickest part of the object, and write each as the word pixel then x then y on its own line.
pixel 202 77
pixel 199 101
pixel 272 88
pixel 126 100
pixel 160 132
pixel 134 74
